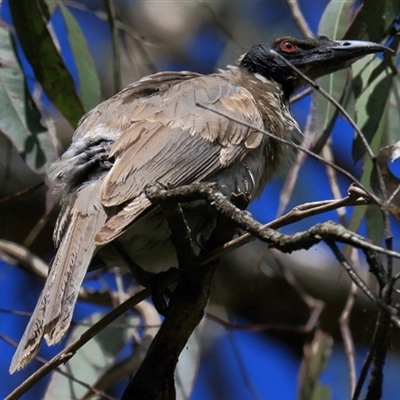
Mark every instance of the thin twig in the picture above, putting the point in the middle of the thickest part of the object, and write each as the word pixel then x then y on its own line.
pixel 68 352
pixel 292 176
pixel 299 18
pixel 393 195
pixel 347 337
pixel 390 311
pixel 365 368
pixel 333 179
pixel 300 95
pixel 41 360
pixel 296 146
pixel 21 193
pixel 331 99
pixel 314 305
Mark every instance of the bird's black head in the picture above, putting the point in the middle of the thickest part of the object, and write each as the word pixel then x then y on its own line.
pixel 314 57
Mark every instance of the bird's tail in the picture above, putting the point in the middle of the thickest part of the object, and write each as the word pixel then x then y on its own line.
pixel 53 313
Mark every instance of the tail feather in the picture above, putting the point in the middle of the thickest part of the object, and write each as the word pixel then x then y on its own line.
pixel 53 313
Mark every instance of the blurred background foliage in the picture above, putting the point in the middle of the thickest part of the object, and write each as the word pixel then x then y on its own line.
pixel 60 58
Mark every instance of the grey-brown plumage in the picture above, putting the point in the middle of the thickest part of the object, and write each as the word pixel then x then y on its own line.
pixel 153 131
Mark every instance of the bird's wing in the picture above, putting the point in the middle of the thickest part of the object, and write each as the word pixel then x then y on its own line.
pixel 174 141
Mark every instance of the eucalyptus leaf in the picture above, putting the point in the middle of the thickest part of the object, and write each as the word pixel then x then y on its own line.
pixel 333 24
pixel 371 85
pixel 89 83
pixel 44 58
pixel 19 117
pixel 361 212
pixel 316 357
pixel 393 133
pixel 321 392
pixel 335 19
pixel 373 19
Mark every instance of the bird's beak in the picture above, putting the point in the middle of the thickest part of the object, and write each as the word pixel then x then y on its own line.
pixel 332 55
pixel 351 49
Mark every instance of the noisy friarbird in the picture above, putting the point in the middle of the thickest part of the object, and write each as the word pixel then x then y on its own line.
pixel 154 131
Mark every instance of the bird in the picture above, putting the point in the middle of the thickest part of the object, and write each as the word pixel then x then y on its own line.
pixel 171 128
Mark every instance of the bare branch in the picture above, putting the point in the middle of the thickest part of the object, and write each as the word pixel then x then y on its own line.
pixel 21 193
pixel 391 311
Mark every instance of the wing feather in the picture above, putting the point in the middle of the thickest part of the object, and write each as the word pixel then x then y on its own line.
pixel 175 142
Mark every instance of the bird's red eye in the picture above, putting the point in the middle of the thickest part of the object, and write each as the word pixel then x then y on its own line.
pixel 288 47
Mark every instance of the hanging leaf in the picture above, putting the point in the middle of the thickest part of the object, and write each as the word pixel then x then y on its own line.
pixel 333 24
pixel 371 85
pixel 89 83
pixel 373 19
pixel 374 221
pixel 44 58
pixel 335 19
pixel 315 360
pixel 394 111
pixel 19 117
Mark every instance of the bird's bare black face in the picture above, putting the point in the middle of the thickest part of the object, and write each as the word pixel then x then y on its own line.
pixel 315 57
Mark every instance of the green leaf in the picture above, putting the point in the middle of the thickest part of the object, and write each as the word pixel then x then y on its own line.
pixel 373 19
pixel 374 217
pixel 89 83
pixel 321 392
pixel 333 24
pixel 44 58
pixel 394 112
pixel 315 360
pixel 89 363
pixel 371 85
pixel 360 212
pixel 335 19
pixel 19 118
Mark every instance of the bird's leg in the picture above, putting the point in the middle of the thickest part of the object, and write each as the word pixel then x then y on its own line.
pixel 240 200
pixel 159 291
pixel 206 230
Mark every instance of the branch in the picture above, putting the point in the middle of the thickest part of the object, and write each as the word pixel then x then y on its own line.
pixel 155 377
pixel 194 282
pixel 329 232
